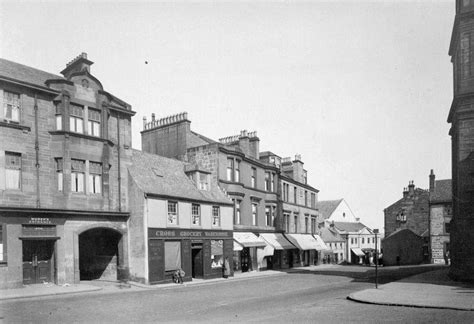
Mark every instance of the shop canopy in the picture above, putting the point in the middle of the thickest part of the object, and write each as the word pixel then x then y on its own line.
pixel 304 242
pixel 237 246
pixel 248 239
pixel 277 240
pixel 320 241
pixel 358 251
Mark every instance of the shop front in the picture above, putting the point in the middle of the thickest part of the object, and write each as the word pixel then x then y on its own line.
pixel 253 253
pixel 357 256
pixel 308 249
pixel 282 248
pixel 200 253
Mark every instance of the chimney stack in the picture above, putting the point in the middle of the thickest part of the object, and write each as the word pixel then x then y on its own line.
pixel 79 64
pixel 411 188
pixel 432 181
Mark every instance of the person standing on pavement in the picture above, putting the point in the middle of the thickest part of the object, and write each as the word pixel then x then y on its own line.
pixel 226 268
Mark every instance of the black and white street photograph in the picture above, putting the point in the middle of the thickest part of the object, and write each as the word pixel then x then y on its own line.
pixel 237 161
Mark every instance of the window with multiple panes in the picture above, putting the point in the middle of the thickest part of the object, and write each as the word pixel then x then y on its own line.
pixel 230 169
pixel 313 200
pixel 12 170
pixel 267 181
pixel 268 216
pixel 295 195
pixel 272 183
pixel 286 220
pixel 313 224
pixel 95 177
pixel 78 169
pixel 286 192
pixel 295 224
pixel 352 240
pixel 203 181
pixel 59 118
pixel 253 180
pixel 172 213
pixel 306 224
pixel 93 122
pixel 196 214
pixel 363 240
pixel 76 119
pixel 59 173
pixel 216 216
pixel 237 171
pixel 306 198
pixel 11 106
pixel 273 216
pixel 237 211
pixel 254 214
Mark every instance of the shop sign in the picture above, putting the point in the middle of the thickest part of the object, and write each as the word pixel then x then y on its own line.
pixel 39 220
pixel 186 234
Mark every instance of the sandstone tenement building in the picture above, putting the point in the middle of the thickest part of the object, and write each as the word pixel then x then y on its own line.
pixel 64 149
pixel 461 117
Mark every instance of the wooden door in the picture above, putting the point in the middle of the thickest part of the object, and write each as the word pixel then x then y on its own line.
pixel 37 261
pixel 197 262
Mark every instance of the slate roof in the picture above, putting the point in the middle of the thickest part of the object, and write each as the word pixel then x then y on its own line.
pixel 350 227
pixel 442 191
pixel 25 74
pixel 327 207
pixel 329 235
pixel 158 175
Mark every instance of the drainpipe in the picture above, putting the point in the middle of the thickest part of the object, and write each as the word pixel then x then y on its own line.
pixel 37 165
pixel 118 164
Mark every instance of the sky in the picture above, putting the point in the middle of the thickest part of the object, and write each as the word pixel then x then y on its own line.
pixel 361 89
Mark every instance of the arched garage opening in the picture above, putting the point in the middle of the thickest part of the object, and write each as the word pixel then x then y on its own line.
pixel 99 254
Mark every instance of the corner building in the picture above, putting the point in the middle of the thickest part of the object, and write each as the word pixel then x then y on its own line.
pixel 461 117
pixel 64 148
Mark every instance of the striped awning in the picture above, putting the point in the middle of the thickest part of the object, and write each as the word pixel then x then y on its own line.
pixel 277 240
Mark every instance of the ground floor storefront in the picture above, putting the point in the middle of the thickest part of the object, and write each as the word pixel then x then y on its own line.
pixel 61 246
pixel 199 253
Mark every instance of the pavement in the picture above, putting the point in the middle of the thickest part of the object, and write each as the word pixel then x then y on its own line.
pixel 431 289
pixel 428 286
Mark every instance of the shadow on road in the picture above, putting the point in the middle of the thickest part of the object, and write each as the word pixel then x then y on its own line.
pixel 430 274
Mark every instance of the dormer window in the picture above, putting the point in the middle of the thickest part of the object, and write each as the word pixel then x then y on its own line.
pixel 203 181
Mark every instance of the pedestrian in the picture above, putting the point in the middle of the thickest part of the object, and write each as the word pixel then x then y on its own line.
pixel 226 268
pixel 178 276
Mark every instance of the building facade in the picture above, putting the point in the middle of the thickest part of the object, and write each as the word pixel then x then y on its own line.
pixel 360 243
pixel 411 213
pixel 461 118
pixel 426 213
pixel 235 166
pixel 180 219
pixel 441 212
pixel 299 215
pixel 64 148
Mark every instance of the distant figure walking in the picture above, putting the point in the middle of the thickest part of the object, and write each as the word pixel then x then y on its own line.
pixel 446 258
pixel 226 268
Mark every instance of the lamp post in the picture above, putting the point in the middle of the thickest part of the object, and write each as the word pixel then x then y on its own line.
pixel 376 231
